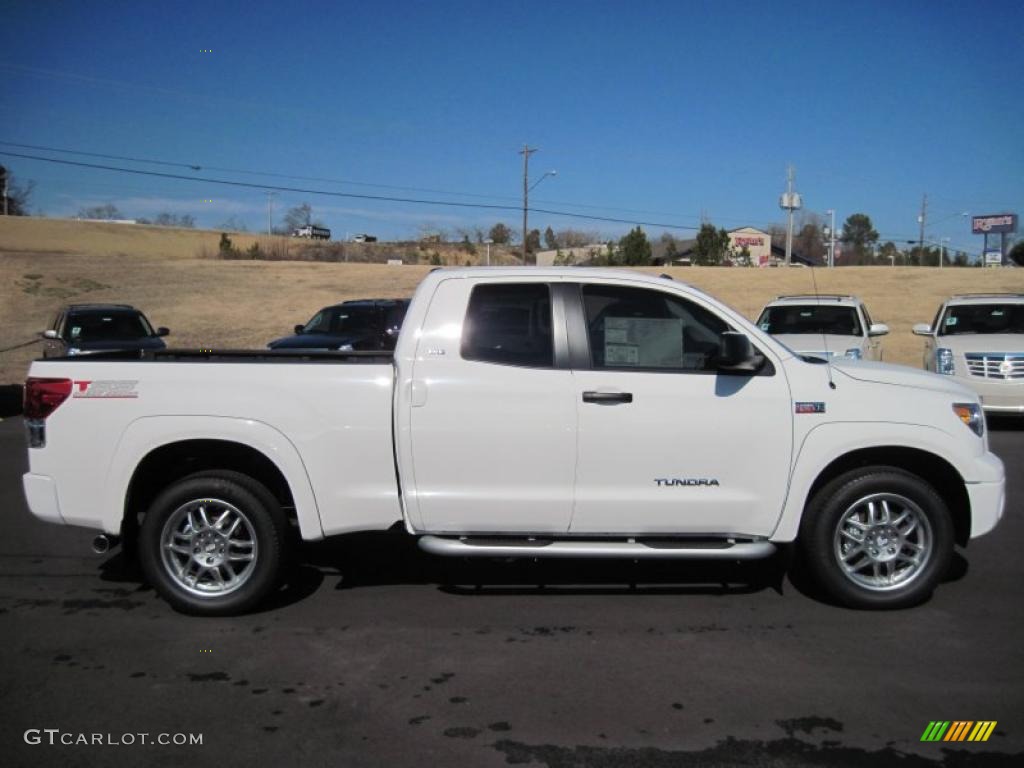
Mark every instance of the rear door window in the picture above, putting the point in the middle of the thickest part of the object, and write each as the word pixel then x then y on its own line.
pixel 509 324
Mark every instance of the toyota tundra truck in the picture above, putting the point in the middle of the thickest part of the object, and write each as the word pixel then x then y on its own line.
pixel 525 413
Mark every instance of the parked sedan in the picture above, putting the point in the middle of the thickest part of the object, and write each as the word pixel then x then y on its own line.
pixel 81 329
pixel 978 339
pixel 360 325
pixel 824 326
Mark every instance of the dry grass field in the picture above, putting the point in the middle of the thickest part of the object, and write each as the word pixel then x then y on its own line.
pixel 208 302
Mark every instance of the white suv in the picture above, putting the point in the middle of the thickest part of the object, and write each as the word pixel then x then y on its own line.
pixel 824 326
pixel 978 338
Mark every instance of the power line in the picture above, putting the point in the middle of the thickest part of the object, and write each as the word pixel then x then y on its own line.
pixel 349 182
pixel 97 154
pixel 350 195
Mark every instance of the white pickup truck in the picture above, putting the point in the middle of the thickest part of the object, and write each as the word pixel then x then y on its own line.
pixel 525 413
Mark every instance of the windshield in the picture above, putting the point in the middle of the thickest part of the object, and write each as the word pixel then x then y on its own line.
pixel 108 326
pixel 810 318
pixel 983 318
pixel 342 320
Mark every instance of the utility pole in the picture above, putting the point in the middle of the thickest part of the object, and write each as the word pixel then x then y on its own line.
pixel 832 238
pixel 526 151
pixel 789 216
pixel 789 202
pixel 270 212
pixel 921 220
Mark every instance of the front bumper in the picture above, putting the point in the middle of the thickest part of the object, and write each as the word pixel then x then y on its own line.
pixel 997 395
pixel 41 495
pixel 987 494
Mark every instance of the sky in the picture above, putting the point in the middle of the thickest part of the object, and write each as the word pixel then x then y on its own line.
pixel 650 112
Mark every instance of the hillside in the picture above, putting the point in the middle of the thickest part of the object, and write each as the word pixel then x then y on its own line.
pixel 209 302
pixel 97 238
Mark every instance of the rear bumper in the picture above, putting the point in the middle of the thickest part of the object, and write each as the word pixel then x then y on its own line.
pixel 987 497
pixel 41 495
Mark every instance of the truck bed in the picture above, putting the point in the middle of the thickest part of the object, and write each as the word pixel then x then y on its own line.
pixel 232 356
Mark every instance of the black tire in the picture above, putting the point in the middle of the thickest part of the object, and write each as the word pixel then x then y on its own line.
pixel 821 542
pixel 261 516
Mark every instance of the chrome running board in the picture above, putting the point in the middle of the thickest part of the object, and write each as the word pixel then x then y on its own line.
pixel 630 549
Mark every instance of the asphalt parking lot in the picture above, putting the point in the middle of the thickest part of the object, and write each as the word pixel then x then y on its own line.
pixel 379 655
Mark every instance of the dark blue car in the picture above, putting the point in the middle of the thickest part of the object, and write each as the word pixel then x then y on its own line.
pixel 361 325
pixel 80 329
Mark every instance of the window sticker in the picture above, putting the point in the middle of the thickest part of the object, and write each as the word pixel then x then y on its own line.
pixel 644 342
pixel 621 354
pixel 76 330
pixel 951 320
pixel 766 327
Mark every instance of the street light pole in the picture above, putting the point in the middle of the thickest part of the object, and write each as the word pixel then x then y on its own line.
pixel 488 242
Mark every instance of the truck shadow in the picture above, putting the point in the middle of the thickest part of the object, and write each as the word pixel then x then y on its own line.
pixel 10 400
pixel 1004 422
pixel 392 557
pixel 387 558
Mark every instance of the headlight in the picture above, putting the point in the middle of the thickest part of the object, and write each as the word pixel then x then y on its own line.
pixel 345 348
pixel 854 354
pixel 971 415
pixel 72 351
pixel 944 361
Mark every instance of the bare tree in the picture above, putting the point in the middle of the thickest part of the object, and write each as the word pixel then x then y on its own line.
pixel 174 220
pixel 576 238
pixel 501 234
pixel 18 195
pixel 298 217
pixel 106 211
pixel 431 233
pixel 234 224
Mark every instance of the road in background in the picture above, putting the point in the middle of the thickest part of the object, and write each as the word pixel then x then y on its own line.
pixel 379 655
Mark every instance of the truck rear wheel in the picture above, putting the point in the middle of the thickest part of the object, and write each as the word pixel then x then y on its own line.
pixel 877 537
pixel 213 543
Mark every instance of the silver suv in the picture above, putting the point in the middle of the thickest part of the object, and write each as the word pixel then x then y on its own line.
pixel 978 338
pixel 827 325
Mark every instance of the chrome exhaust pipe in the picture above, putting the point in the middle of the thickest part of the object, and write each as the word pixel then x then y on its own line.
pixel 102 543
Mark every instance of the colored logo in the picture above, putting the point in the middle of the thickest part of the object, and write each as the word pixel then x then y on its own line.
pixel 810 407
pixel 958 730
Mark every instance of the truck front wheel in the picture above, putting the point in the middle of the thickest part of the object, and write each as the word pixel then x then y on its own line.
pixel 877 537
pixel 213 543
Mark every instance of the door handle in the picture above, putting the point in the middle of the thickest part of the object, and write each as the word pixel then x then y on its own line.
pixel 608 398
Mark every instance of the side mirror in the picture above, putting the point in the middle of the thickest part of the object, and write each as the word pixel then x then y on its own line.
pixel 922 329
pixel 298 329
pixel 878 329
pixel 50 334
pixel 736 355
pixel 162 331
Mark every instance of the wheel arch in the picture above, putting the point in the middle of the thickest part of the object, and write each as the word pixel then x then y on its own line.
pixel 155 452
pixel 929 467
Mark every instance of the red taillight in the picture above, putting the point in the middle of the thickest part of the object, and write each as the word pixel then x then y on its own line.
pixel 42 396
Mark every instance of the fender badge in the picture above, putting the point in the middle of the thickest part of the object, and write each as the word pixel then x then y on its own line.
pixel 810 407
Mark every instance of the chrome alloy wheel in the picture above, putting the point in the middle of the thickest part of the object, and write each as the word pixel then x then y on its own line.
pixel 208 547
pixel 883 542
